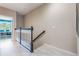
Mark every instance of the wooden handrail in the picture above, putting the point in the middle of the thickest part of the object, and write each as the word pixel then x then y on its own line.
pixel 39 36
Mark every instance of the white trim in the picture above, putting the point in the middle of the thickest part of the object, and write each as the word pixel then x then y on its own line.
pixel 47 49
pixel 63 50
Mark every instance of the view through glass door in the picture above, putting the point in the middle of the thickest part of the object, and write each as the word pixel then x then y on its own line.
pixel 5 27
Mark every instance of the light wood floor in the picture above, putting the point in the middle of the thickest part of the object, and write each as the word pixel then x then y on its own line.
pixel 13 48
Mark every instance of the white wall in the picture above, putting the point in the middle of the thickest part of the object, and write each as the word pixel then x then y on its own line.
pixel 59 22
pixel 19 20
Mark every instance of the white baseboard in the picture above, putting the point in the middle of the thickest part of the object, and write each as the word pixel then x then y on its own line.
pixel 60 51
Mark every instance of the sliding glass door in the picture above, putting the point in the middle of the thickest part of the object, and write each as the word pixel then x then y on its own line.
pixel 5 28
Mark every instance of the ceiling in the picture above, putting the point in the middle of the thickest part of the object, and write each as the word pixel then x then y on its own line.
pixel 22 8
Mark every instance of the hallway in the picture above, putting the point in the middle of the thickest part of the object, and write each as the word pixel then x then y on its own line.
pixel 58 20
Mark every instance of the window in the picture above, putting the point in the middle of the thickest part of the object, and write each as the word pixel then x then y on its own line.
pixel 5 25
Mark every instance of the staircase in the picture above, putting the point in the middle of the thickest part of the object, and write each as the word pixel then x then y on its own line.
pixel 45 49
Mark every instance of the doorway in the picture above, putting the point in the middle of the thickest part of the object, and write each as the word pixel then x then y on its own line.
pixel 5 27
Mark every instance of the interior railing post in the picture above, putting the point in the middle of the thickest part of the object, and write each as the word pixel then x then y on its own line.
pixel 20 35
pixel 31 39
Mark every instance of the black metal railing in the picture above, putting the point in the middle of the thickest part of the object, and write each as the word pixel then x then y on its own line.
pixel 30 44
pixel 30 48
pixel 39 36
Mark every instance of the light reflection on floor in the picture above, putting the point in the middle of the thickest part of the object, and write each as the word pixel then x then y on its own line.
pixel 9 47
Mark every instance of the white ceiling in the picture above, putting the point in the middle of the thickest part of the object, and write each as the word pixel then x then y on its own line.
pixel 22 8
